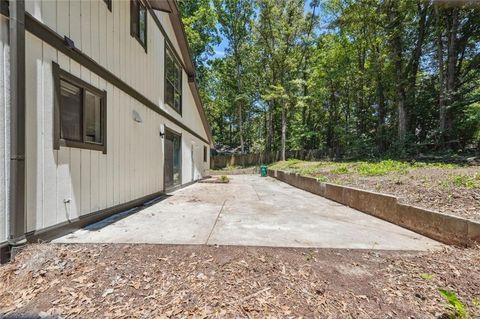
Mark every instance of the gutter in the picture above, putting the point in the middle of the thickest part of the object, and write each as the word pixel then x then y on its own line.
pixel 16 200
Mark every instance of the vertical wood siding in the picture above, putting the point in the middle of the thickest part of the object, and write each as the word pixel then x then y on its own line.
pixel 67 183
pixel 4 126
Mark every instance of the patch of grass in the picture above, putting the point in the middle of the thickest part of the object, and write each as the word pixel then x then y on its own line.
pixel 322 179
pixel 341 169
pixel 361 168
pixel 382 168
pixel 464 181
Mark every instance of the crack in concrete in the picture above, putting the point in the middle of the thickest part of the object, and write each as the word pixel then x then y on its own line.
pixel 215 224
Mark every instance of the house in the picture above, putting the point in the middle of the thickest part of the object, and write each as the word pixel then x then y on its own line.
pixel 99 112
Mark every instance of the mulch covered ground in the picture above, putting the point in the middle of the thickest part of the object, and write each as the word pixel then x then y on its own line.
pixel 429 188
pixel 154 281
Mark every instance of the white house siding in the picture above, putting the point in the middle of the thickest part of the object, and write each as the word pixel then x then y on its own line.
pixel 4 126
pixel 66 184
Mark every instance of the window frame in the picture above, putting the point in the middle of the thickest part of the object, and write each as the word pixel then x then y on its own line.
pixel 109 4
pixel 170 51
pixel 135 32
pixel 205 154
pixel 58 75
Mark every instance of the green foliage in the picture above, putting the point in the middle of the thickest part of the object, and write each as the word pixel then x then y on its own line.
pixel 426 277
pixel 334 75
pixel 382 168
pixel 462 180
pixel 322 179
pixel 341 169
pixel 457 309
pixel 224 179
pixel 363 168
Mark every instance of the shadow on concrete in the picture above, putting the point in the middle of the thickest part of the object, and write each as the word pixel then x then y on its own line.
pixel 119 216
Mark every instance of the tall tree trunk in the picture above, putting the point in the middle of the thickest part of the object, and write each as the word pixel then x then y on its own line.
pixel 284 130
pixel 269 126
pixel 452 62
pixel 399 74
pixel 414 63
pixel 441 98
pixel 238 71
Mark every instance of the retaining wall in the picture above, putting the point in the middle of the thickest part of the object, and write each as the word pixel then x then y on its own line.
pixel 445 228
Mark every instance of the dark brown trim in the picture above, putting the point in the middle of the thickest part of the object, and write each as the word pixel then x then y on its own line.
pixel 71 226
pixel 4 253
pixel 52 38
pixel 56 107
pixel 59 74
pixel 17 121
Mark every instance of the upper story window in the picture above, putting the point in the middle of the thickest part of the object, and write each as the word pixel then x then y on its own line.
pixel 109 4
pixel 80 113
pixel 173 81
pixel 138 22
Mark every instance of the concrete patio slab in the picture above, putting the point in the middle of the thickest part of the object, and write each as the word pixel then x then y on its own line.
pixel 251 211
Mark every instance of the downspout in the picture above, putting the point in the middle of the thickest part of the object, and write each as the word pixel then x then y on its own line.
pixel 17 123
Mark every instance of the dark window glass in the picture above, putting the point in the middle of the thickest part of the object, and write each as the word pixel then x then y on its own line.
pixel 138 22
pixel 109 4
pixel 71 111
pixel 173 82
pixel 80 113
pixel 205 150
pixel 93 118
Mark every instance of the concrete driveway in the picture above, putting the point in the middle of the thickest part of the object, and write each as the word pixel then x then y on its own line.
pixel 251 211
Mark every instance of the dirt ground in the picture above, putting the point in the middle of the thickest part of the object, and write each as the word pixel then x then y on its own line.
pixel 153 281
pixel 427 188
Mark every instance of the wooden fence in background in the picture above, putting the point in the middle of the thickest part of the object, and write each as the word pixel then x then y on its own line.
pixel 256 159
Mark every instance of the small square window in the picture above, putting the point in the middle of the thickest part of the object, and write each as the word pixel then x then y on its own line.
pixel 138 22
pixel 80 113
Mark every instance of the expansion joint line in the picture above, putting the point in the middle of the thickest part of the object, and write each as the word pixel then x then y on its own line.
pixel 216 220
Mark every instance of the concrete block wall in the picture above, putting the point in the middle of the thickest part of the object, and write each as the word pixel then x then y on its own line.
pixel 442 227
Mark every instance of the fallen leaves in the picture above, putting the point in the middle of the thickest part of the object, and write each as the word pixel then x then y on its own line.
pixel 138 281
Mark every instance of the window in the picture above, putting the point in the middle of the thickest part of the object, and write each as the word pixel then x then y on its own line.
pixel 80 113
pixel 109 4
pixel 138 22
pixel 173 81
pixel 205 156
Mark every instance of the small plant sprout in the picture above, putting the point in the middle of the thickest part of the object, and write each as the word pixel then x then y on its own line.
pixel 457 309
pixel 224 179
pixel 426 277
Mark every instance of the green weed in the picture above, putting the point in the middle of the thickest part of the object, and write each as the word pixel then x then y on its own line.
pixel 456 308
pixel 427 277
pixel 224 179
pixel 464 181
pixel 322 179
pixel 341 169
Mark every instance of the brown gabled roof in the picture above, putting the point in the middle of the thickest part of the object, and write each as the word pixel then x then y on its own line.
pixel 171 7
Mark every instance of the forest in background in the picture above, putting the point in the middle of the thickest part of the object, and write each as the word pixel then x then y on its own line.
pixel 363 78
